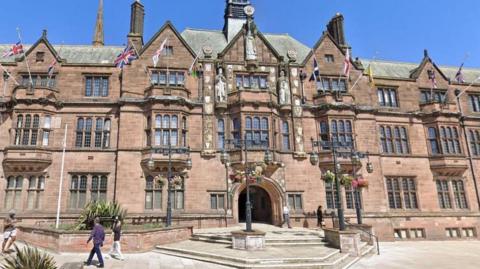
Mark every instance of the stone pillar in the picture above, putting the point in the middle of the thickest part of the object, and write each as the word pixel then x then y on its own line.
pixel 208 148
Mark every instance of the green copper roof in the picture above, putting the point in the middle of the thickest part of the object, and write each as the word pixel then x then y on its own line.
pixel 77 54
pixel 403 70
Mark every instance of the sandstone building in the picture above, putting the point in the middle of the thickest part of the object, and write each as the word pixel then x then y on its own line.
pixel 211 86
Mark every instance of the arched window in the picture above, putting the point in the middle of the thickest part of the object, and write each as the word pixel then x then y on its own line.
pixel 153 193
pixel 433 139
pixel 78 191
pixel 106 133
pixel 98 132
pixel 47 124
pixel 383 139
pixel 236 131
pixel 26 130
pixel 184 131
pixel 18 130
pixel 36 186
pixel 98 190
pixel 35 126
pixel 256 132
pixel 88 133
pixel 221 134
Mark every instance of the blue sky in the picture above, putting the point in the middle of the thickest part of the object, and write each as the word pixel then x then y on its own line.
pixel 391 29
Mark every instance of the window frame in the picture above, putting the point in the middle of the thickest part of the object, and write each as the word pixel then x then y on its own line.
pixel 385 98
pixel 91 90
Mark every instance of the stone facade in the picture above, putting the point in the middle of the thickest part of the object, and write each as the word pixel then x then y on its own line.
pixel 125 160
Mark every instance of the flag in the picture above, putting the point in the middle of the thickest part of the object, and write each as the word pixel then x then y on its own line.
pixel 316 71
pixel 51 67
pixel 370 76
pixel 15 50
pixel 431 77
pixel 157 54
pixel 346 65
pixel 192 71
pixel 459 76
pixel 125 57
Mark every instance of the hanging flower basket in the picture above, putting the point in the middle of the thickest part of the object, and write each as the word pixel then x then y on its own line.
pixel 346 180
pixel 328 176
pixel 176 182
pixel 361 183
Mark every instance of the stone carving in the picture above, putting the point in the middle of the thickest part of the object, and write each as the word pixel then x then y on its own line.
pixel 208 134
pixel 207 51
pixel 297 108
pixel 292 55
pixel 220 86
pixel 283 89
pixel 208 106
pixel 250 46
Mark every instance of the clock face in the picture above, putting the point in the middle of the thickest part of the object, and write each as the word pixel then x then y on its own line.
pixel 249 10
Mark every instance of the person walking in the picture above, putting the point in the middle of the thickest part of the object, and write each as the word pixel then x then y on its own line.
pixel 319 217
pixel 98 236
pixel 116 250
pixel 9 231
pixel 286 216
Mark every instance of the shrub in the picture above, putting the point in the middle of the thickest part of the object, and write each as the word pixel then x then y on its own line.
pixel 104 210
pixel 29 258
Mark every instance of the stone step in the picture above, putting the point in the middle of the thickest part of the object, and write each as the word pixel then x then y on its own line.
pixel 269 241
pixel 333 261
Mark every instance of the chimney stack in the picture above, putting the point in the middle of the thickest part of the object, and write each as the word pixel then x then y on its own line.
pixel 135 36
pixel 335 29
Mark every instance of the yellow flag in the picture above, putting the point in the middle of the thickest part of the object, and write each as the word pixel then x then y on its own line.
pixel 370 76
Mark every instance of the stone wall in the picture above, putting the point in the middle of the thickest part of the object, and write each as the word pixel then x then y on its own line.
pixel 132 241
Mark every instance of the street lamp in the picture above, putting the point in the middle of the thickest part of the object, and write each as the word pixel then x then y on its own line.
pixel 225 159
pixel 243 144
pixel 333 145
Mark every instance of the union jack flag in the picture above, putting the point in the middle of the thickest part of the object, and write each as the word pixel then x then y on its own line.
pixel 125 57
pixel 15 50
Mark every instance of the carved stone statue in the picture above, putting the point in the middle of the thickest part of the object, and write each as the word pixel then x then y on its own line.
pixel 220 87
pixel 250 47
pixel 283 89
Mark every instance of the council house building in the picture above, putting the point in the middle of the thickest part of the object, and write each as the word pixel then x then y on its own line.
pixel 255 98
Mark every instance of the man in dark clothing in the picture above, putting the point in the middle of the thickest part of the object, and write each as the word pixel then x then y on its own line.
pixel 319 217
pixel 98 236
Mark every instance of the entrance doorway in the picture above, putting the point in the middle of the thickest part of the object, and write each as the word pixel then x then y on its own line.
pixel 260 202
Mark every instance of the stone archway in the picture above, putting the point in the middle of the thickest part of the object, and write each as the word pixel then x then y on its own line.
pixel 267 190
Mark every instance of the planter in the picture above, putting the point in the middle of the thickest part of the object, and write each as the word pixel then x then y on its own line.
pixel 74 241
pixel 254 240
pixel 346 241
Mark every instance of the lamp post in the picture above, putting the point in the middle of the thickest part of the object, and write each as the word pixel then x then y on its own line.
pixel 356 156
pixel 334 146
pixel 243 144
pixel 225 159
pixel 151 165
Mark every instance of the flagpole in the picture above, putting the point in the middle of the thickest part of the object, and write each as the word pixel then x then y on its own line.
pixel 469 86
pixel 57 222
pixel 356 81
pixel 25 57
pixel 9 75
pixel 138 55
pixel 50 74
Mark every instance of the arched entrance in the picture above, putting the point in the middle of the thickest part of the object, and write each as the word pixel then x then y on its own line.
pixel 261 204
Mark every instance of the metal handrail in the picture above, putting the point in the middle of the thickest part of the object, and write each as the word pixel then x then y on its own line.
pixel 367 232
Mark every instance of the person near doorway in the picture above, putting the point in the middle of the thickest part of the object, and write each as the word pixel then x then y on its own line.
pixel 9 231
pixel 286 216
pixel 98 236
pixel 319 217
pixel 116 250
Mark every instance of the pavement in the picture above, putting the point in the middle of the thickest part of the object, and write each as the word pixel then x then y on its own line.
pixel 424 254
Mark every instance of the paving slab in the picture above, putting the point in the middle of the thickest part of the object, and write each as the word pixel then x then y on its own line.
pixel 424 254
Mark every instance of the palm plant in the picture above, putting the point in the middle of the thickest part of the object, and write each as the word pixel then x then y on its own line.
pixel 29 258
pixel 104 210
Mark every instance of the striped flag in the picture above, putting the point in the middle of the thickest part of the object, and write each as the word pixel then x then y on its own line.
pixel 347 64
pixel 157 54
pixel 15 50
pixel 459 76
pixel 51 67
pixel 316 71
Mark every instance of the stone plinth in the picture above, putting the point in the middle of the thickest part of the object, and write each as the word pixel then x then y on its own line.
pixel 365 230
pixel 346 241
pixel 254 240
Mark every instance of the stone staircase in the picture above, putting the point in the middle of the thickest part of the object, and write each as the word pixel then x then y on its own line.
pixel 296 249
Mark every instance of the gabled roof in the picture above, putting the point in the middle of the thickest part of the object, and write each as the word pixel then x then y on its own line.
pixel 324 36
pixel 43 39
pixel 281 43
pixel 168 24
pixel 403 70
pixel 76 54
pixel 426 59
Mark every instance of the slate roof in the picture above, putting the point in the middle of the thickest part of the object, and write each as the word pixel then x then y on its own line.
pixel 76 54
pixel 392 69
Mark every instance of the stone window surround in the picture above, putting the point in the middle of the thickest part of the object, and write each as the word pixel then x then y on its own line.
pixel 294 208
pixel 451 193
pixel 383 89
pixel 155 77
pixel 402 194
pixel 439 95
pixel 105 132
pixel 219 196
pixel 88 189
pixel 251 76
pixel 398 235
pixel 164 191
pixel 474 140
pixel 150 128
pixel 85 77
pixel 40 80
pixel 333 196
pixel 41 129
pixel 456 139
pixel 405 141
pixel 325 131
pixel 24 189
